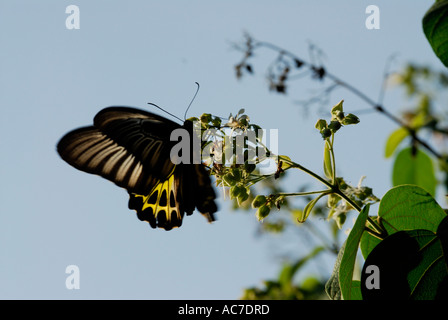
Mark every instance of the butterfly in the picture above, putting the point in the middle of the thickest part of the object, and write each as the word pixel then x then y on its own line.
pixel 131 148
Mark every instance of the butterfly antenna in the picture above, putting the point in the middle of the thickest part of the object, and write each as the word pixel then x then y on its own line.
pixel 197 90
pixel 165 111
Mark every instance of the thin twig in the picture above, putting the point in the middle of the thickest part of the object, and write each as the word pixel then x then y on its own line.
pixel 377 106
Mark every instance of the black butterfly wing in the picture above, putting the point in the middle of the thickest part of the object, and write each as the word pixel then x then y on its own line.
pixel 131 148
pixel 127 146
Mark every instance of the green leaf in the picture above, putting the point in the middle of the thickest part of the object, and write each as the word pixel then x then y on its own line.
pixel 414 169
pixel 405 207
pixel 435 27
pixel 332 287
pixel 428 280
pixel 392 260
pixel 412 260
pixel 368 242
pixel 356 290
pixel 308 208
pixel 350 290
pixel 409 207
pixel 394 140
pixel 411 264
pixel 341 284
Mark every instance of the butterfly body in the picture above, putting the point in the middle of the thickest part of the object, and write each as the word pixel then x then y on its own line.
pixel 131 148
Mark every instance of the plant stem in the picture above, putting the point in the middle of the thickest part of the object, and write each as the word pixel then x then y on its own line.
pixel 291 194
pixel 374 233
pixel 311 173
pixel 378 231
pixel 333 157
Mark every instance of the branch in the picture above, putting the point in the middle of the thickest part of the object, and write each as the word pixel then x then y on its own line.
pixel 320 73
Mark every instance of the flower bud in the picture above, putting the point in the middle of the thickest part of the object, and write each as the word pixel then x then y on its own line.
pixel 263 212
pixel 340 219
pixel 334 125
pixel 234 192
pixel 337 108
pixel 258 201
pixel 350 119
pixel 229 179
pixel 333 200
pixel 216 122
pixel 243 195
pixel 321 124
pixel 339 116
pixel 326 133
pixel 206 117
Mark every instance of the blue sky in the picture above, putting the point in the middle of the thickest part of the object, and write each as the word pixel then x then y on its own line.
pixel 53 80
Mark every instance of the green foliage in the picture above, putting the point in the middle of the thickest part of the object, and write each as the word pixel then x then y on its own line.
pixel 303 214
pixel 411 258
pixel 408 237
pixel 411 210
pixel 417 169
pixel 341 284
pixel 409 207
pixel 394 140
pixel 417 162
pixel 285 287
pixel 235 149
pixel 404 208
pixel 435 27
pixel 413 265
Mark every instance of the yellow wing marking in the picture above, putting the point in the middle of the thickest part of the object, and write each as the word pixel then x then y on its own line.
pixel 162 200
